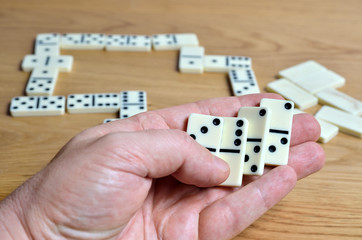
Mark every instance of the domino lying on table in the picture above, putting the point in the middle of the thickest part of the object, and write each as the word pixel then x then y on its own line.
pixel 257 136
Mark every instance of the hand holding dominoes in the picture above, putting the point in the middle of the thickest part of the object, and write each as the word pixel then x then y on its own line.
pixel 258 136
pixel 153 163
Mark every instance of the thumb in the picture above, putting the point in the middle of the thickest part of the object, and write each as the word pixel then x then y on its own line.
pixel 159 153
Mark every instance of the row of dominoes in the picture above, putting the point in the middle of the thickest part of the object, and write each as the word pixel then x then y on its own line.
pixel 46 61
pixel 128 103
pixel 192 58
pixel 52 43
pixel 308 83
pixel 242 78
pixel 258 136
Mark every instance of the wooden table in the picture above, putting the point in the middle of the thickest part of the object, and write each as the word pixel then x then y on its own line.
pixel 276 34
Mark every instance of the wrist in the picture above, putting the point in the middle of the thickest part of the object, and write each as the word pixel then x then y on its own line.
pixel 11 221
pixel 20 215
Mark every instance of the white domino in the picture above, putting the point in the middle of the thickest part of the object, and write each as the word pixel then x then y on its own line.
pixel 191 60
pixel 243 81
pixel 259 120
pixel 297 111
pixel 312 76
pixel 42 81
pixel 93 103
pixel 294 73
pixel 174 41
pixel 328 131
pixel 219 63
pixel 279 133
pixel 79 41
pixel 107 120
pixel 37 106
pixel 132 103
pixel 319 81
pixel 137 43
pixel 232 148
pixel 63 63
pixel 47 44
pixel 301 98
pixel 346 122
pixel 340 100
pixel 206 130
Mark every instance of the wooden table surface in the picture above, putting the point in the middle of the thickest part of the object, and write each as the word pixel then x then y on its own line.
pixel 276 34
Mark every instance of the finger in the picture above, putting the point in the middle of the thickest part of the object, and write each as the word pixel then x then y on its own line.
pixel 304 128
pixel 159 153
pixel 233 213
pixel 176 117
pixel 185 203
pixel 306 158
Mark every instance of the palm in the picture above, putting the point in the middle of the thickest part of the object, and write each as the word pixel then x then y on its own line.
pixel 124 192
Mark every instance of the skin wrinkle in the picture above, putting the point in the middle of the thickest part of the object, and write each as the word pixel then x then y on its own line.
pixel 164 211
pixel 151 121
pixel 71 232
pixel 145 214
pixel 130 156
pixel 67 214
pixel 298 152
pixel 256 196
pixel 72 226
pixel 24 192
pixel 18 212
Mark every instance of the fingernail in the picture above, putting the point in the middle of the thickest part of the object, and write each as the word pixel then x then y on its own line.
pixel 221 164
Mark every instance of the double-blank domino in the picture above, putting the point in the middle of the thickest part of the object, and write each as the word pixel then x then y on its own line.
pixel 289 90
pixel 37 106
pixel 319 81
pixel 300 70
pixel 191 59
pixel 279 132
pixel 346 122
pixel 312 77
pixel 328 131
pixel 340 100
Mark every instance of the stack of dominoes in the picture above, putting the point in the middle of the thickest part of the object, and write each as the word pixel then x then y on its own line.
pixel 308 83
pixel 258 136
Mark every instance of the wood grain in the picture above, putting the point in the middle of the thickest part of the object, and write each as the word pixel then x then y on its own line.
pixel 276 34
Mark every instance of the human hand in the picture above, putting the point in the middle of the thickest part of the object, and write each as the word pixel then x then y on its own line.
pixel 145 178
